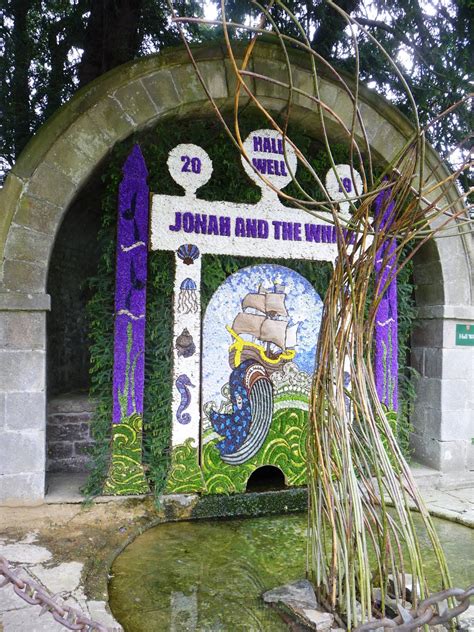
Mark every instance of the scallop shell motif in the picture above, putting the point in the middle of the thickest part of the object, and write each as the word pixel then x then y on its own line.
pixel 188 253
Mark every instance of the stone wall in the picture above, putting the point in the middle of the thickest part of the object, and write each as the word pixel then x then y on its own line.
pixel 62 157
pixel 68 436
pixel 22 398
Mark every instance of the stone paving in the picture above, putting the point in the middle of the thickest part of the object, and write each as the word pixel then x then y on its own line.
pixel 67 577
pixel 33 562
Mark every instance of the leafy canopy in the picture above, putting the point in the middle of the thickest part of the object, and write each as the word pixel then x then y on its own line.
pixel 52 47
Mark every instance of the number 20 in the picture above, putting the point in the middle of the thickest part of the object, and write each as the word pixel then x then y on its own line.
pixel 195 164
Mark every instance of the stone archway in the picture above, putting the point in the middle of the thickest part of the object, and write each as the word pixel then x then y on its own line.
pixel 63 155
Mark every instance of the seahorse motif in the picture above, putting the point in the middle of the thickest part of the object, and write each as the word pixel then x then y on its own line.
pixel 182 384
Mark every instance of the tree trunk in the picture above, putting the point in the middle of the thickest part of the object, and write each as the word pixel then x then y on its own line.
pixel 20 90
pixel 112 37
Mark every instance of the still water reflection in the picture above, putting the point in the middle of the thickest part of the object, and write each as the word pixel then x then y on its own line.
pixel 208 576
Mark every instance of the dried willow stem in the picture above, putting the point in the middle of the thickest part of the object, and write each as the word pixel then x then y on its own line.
pixel 356 468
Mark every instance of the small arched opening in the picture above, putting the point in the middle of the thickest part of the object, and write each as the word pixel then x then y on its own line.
pixel 266 478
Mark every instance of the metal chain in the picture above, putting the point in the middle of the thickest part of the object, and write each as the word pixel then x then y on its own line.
pixel 32 593
pixel 425 613
pixel 406 621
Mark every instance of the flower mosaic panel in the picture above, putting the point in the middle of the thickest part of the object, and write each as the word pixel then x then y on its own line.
pixel 260 334
pixel 242 375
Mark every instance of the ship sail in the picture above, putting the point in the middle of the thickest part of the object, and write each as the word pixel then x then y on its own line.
pixel 291 336
pixel 248 324
pixel 266 303
pixel 275 303
pixel 255 301
pixel 274 331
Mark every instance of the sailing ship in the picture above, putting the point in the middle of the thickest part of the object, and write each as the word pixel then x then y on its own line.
pixel 262 331
pixel 268 344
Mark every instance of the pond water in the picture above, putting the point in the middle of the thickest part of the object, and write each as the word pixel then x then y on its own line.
pixel 209 575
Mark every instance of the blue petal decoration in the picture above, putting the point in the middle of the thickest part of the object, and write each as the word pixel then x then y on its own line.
pixel 188 284
pixel 188 253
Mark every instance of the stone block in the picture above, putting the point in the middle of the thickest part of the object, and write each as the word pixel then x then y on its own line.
pixel 272 69
pixel 457 290
pixel 161 90
pixel 428 272
pixel 89 136
pixel 371 119
pixel 51 185
pixel 22 276
pixel 59 450
pixel 83 448
pixel 72 464
pixel 187 84
pixel 425 450
pixel 470 455
pixel 26 619
pixel 25 244
pixel 457 394
pixel 433 362
pixel 430 293
pixel 9 600
pixel 25 411
pixel 428 333
pixel 457 424
pixel 136 103
pixel 387 142
pixel 428 392
pixel 68 432
pixel 20 302
pixel 22 489
pixel 60 419
pixel 231 78
pixel 63 578
pixel 22 330
pixel 22 452
pixel 22 371
pixel 458 363
pixel 9 195
pixel 114 123
pixel 427 421
pixel 418 418
pixel 417 359
pixel 70 159
pixel 452 455
pixel 99 612
pixel 454 263
pixel 38 215
pixel 76 403
pixel 328 93
pixel 2 410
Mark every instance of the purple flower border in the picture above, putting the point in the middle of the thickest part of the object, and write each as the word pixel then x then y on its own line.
pixel 386 319
pixel 130 288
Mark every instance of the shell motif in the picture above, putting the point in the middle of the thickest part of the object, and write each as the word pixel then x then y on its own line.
pixel 188 253
pixel 185 344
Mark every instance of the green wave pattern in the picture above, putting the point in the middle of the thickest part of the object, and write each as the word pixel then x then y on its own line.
pixel 284 447
pixel 185 475
pixel 126 475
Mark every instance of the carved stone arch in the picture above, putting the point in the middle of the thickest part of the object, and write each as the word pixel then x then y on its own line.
pixel 64 154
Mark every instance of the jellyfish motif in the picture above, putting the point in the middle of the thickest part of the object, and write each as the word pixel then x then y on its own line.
pixel 188 253
pixel 187 299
